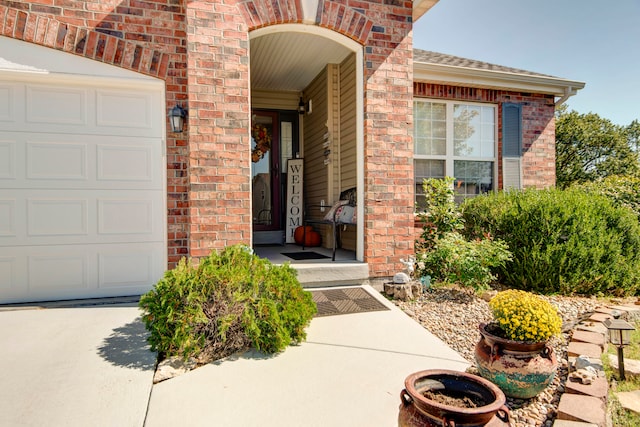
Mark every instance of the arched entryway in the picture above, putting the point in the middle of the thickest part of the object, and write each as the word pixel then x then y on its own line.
pixel 307 93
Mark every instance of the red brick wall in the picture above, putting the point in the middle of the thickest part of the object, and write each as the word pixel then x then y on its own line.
pixel 200 49
pixel 538 127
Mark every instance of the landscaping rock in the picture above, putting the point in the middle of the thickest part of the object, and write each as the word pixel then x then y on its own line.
pixel 401 278
pixel 599 387
pixel 574 407
pixel 580 348
pixel 584 361
pixel 630 400
pixel 584 375
pixel 404 291
pixel 631 366
pixel 589 337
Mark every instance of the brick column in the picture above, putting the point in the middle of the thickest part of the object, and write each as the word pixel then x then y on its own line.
pixel 388 123
pixel 219 113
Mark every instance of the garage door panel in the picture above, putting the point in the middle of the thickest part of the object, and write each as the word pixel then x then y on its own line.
pixel 56 105
pixel 57 217
pixel 8 160
pixel 79 161
pixel 54 160
pixel 82 271
pixel 43 217
pixel 129 217
pixel 9 269
pixel 126 162
pixel 133 266
pixel 58 272
pixel 124 109
pixel 67 108
pixel 8 218
pixel 7 102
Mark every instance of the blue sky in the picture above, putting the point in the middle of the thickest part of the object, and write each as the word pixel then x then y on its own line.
pixel 596 42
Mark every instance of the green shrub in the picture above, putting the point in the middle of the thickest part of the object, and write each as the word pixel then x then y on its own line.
pixel 439 214
pixel 468 263
pixel 230 301
pixel 442 252
pixel 622 190
pixel 563 241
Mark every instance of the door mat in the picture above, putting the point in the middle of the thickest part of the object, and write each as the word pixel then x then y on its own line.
pixel 332 302
pixel 298 256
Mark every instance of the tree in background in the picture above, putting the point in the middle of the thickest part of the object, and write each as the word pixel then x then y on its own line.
pixel 589 147
pixel 633 134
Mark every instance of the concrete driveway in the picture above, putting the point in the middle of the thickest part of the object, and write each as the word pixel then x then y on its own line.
pixel 91 366
pixel 86 366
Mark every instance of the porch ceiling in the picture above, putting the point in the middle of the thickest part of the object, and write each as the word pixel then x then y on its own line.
pixel 289 61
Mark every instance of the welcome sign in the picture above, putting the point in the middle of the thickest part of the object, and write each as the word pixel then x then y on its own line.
pixel 294 197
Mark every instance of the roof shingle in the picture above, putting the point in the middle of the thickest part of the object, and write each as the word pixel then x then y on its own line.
pixel 428 57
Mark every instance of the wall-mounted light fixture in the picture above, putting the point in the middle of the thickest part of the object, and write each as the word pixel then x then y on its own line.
pixel 301 107
pixel 619 335
pixel 304 107
pixel 176 117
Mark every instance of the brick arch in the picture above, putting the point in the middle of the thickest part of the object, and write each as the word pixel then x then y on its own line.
pixel 49 32
pixel 332 15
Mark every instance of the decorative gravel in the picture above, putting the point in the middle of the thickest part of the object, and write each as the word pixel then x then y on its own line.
pixel 454 315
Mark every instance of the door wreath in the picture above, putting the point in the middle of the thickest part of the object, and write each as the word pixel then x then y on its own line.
pixel 262 138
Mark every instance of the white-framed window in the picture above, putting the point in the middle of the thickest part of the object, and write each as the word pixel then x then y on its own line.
pixel 459 139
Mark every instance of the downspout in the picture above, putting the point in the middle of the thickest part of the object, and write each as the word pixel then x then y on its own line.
pixel 568 92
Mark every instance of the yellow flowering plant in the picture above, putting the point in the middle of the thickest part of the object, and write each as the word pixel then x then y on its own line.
pixel 523 316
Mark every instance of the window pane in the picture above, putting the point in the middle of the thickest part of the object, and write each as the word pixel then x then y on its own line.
pixel 473 131
pixel 472 178
pixel 426 169
pixel 430 128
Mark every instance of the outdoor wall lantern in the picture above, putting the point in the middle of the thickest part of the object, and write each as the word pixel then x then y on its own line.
pixel 619 335
pixel 176 117
pixel 304 107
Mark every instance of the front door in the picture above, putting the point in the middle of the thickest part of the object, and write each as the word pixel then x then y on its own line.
pixel 273 141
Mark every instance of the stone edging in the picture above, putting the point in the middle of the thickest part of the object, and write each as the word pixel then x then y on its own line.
pixel 584 402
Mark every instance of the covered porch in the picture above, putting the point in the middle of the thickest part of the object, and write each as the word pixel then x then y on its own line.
pixel 307 145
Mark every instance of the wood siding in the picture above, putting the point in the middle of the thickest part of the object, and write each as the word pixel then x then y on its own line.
pixel 274 100
pixel 316 175
pixel 347 142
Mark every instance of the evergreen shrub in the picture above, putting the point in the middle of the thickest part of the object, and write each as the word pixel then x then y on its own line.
pixel 231 301
pixel 563 241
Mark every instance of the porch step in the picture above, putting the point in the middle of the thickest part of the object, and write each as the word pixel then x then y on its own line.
pixel 313 275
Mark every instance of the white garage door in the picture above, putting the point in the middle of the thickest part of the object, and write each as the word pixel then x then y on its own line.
pixel 82 194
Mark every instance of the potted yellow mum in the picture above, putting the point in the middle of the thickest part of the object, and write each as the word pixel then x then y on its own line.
pixel 513 351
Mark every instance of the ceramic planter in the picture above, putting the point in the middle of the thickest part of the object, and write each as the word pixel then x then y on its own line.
pixel 521 369
pixel 416 410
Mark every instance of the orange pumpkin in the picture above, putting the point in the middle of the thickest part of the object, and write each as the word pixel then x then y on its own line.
pixel 311 238
pixel 299 233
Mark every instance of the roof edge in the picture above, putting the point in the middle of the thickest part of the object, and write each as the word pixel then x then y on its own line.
pixel 493 79
pixel 420 7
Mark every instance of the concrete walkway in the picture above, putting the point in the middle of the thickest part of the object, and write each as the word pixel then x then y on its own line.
pixel 90 366
pixel 74 367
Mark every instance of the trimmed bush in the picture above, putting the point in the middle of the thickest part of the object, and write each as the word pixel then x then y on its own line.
pixel 563 241
pixel 232 300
